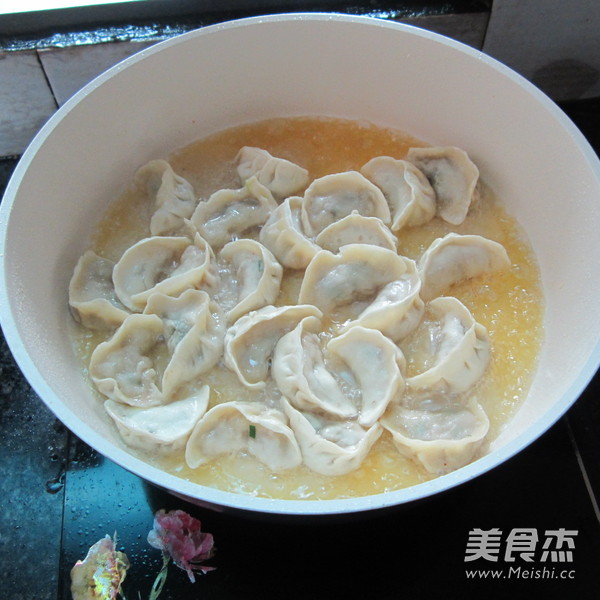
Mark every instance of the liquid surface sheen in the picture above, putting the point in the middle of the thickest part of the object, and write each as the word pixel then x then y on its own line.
pixel 509 305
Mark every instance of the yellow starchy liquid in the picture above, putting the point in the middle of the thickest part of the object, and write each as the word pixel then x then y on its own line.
pixel 509 305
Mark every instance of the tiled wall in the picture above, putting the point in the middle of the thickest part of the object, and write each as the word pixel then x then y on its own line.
pixel 34 83
pixel 554 43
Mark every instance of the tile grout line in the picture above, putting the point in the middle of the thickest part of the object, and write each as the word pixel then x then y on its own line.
pixel 47 79
pixel 583 470
pixel 487 27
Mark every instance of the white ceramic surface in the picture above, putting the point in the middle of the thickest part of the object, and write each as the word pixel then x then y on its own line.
pixel 248 70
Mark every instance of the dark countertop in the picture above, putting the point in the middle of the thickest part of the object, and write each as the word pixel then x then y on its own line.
pixel 59 497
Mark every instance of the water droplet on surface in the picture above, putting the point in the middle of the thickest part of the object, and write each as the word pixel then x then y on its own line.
pixel 56 484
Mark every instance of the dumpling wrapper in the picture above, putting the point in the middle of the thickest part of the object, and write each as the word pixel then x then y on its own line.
pixel 356 229
pixel 173 197
pixel 301 374
pixel 332 197
pixel 124 368
pixel 253 273
pixel 165 264
pixel 233 427
pixel 250 341
pixel 229 214
pixel 194 328
pixel 160 429
pixel 442 439
pixel 375 365
pixel 409 194
pixel 280 176
pixel 356 375
pixel 351 278
pixel 452 175
pixel 397 308
pixel 284 236
pixel 92 297
pixel 454 258
pixel 460 349
pixel 331 447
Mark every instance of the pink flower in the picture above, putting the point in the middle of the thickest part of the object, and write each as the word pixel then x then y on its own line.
pixel 100 575
pixel 180 536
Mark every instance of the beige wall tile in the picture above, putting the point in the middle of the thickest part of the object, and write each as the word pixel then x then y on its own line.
pixel 26 101
pixel 468 28
pixel 69 69
pixel 553 43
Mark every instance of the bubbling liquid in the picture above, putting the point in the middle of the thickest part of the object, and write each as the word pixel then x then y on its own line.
pixel 509 304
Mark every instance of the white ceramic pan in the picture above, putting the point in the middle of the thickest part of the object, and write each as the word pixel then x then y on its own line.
pixel 201 82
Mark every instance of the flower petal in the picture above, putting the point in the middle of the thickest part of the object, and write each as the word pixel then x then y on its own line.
pixel 100 575
pixel 180 536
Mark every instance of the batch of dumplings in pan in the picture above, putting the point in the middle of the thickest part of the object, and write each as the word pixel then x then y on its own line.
pixel 323 377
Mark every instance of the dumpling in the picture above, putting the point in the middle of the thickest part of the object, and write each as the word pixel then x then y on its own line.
pixel 301 374
pixel 371 363
pixel 331 447
pixel 397 308
pixel 160 429
pixel 356 375
pixel 163 264
pixel 452 175
pixel 356 229
pixel 250 341
pixel 250 279
pixel 173 197
pixel 92 296
pixel 228 214
pixel 282 177
pixel 332 197
pixel 457 349
pixel 233 427
pixel 454 258
pixel 284 236
pixel 350 279
pixel 124 368
pixel 441 438
pixel 408 192
pixel 194 329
